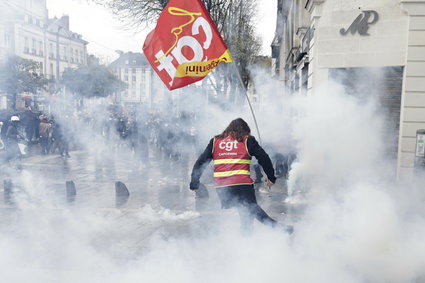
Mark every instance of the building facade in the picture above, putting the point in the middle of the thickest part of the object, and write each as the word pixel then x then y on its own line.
pixel 143 86
pixel 27 31
pixel 371 47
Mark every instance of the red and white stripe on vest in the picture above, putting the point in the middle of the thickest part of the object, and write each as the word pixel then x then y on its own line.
pixel 231 162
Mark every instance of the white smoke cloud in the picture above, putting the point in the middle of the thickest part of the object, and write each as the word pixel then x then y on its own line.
pixel 353 221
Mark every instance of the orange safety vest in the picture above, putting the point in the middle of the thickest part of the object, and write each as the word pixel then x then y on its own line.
pixel 231 162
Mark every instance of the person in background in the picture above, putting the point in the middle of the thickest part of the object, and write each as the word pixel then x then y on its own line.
pixel 13 153
pixel 1 141
pixel 45 129
pixel 231 152
pixel 60 139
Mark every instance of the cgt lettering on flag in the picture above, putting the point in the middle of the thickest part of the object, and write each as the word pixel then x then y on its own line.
pixel 185 44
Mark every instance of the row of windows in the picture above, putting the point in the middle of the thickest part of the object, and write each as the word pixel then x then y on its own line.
pixel 51 70
pixel 133 62
pixel 7 40
pixel 133 72
pixel 133 78
pixel 76 56
pixel 34 21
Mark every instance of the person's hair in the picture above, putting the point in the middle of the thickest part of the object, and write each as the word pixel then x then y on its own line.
pixel 238 129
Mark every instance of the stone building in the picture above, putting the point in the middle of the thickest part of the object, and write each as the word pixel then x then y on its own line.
pixel 371 47
pixel 144 87
pixel 27 31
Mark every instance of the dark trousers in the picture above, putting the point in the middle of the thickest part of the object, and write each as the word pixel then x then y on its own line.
pixel 64 148
pixel 243 198
pixel 44 143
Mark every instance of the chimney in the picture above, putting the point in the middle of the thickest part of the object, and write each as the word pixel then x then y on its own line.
pixel 64 22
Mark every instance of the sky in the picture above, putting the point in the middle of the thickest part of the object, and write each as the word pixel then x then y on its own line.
pixel 107 34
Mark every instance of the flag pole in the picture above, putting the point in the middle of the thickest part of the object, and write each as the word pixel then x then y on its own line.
pixel 253 114
pixel 249 101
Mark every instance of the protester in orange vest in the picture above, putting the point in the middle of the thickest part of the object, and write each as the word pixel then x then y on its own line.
pixel 232 152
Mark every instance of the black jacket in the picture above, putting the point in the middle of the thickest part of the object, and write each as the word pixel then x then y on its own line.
pixel 12 134
pixel 254 149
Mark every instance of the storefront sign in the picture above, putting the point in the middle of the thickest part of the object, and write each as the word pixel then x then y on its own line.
pixel 361 23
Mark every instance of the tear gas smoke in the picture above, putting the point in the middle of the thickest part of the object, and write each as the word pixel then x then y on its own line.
pixel 353 221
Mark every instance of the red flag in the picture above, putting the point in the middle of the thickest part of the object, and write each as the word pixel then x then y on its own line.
pixel 185 44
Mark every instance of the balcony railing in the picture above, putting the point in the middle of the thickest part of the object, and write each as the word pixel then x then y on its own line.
pixel 305 43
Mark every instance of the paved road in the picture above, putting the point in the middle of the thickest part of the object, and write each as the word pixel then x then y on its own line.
pixel 160 184
pixel 51 236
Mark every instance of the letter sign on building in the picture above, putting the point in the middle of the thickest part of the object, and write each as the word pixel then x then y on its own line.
pixel 361 23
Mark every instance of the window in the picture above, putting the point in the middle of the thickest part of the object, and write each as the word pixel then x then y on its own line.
pixel 33 50
pixel 126 78
pixel 51 71
pixel 133 78
pixel 76 56
pixel 26 45
pixel 65 57
pixel 72 55
pixel 7 39
pixel 133 70
pixel 81 56
pixel 40 48
pixel 51 50
pixel 143 78
pixel 41 68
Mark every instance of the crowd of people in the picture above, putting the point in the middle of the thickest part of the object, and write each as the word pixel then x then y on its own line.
pixel 120 130
pixel 20 137
pixel 173 137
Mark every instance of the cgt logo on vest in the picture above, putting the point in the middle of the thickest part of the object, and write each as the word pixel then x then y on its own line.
pixel 228 146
